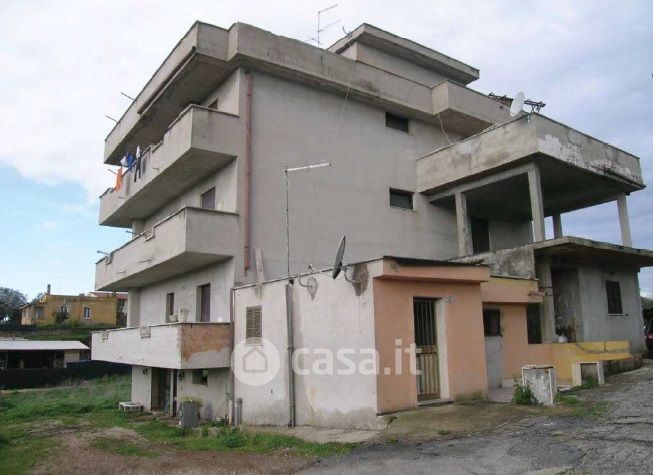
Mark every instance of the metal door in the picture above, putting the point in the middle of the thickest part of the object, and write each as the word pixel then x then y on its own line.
pixel 426 341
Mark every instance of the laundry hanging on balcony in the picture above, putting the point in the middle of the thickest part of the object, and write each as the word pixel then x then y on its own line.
pixel 118 180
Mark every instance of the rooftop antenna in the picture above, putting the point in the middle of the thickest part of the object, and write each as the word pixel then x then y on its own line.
pixel 517 104
pixel 128 96
pixel 321 28
pixel 111 118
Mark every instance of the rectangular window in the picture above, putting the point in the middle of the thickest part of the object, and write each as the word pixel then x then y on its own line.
pixel 170 305
pixel 201 376
pixel 613 291
pixel 480 235
pixel 87 313
pixel 396 122
pixel 38 312
pixel 207 199
pixel 204 302
pixel 253 330
pixel 401 199
pixel 492 321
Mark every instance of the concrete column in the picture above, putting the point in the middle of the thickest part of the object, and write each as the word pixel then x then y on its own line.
pixel 463 227
pixel 547 312
pixel 134 308
pixel 624 221
pixel 557 226
pixel 537 207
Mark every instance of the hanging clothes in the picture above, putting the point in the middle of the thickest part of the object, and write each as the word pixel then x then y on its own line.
pixel 118 179
pixel 123 161
pixel 130 160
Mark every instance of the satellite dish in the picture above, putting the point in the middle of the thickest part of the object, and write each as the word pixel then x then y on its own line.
pixel 337 265
pixel 517 104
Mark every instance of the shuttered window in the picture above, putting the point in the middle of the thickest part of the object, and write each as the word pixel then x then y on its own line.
pixel 613 290
pixel 253 331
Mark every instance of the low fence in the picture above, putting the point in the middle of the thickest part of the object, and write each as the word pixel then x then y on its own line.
pixel 38 378
pixel 11 327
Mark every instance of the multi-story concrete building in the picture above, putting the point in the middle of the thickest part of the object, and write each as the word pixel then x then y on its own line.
pixel 422 166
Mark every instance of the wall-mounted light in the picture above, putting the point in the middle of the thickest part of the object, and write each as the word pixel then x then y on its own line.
pixel 145 371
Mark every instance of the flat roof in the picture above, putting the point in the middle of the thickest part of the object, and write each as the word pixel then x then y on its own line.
pixel 35 345
pixel 409 50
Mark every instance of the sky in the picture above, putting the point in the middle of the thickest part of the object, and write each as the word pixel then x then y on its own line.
pixel 64 64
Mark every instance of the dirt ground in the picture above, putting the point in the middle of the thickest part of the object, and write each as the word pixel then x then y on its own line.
pixel 618 438
pixel 75 455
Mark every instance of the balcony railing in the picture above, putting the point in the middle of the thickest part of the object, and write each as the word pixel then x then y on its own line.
pixel 190 345
pixel 199 142
pixel 189 239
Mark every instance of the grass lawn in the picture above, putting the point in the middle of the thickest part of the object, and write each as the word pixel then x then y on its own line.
pixel 33 422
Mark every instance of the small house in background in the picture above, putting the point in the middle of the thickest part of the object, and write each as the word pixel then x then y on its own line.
pixel 95 308
pixel 19 353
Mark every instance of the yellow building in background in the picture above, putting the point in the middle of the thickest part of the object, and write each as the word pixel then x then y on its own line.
pixel 93 309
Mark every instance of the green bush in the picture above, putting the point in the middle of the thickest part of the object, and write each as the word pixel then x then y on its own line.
pixel 524 395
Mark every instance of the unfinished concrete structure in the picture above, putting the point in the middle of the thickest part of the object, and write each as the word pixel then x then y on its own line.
pixel 417 158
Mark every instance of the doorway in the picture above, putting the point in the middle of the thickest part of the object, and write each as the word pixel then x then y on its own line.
pixel 428 378
pixel 162 394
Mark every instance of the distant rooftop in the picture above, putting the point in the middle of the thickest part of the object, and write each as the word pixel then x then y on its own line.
pixel 31 345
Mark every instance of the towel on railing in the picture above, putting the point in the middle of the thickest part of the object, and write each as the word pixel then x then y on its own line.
pixel 118 179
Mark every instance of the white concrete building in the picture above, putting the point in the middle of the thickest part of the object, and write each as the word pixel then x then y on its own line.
pixel 422 166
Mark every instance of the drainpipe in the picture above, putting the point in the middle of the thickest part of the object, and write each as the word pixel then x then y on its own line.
pixel 248 167
pixel 232 382
pixel 291 350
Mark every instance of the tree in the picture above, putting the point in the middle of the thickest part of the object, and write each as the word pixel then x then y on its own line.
pixel 10 302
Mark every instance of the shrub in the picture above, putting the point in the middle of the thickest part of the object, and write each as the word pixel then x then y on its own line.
pixel 524 395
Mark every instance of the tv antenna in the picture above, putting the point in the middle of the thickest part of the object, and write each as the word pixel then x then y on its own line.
pixel 321 28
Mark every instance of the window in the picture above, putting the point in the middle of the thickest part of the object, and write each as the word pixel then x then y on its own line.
pixel 87 313
pixel 396 122
pixel 201 376
pixel 253 331
pixel 204 302
pixel 492 321
pixel 401 199
pixel 207 199
pixel 480 235
pixel 613 291
pixel 170 305
pixel 38 312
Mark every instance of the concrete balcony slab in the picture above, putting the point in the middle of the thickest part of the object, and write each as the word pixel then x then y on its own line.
pixel 189 239
pixel 199 142
pixel 189 345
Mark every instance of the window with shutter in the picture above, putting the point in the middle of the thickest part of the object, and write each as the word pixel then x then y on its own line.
pixel 253 331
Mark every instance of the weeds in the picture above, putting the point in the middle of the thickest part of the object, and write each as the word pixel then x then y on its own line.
pixel 122 447
pixel 524 395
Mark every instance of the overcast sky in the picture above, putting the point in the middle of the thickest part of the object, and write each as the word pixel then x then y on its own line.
pixel 63 65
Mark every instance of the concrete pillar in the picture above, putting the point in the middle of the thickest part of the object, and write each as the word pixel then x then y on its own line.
pixel 537 207
pixel 557 226
pixel 624 221
pixel 134 308
pixel 547 312
pixel 463 226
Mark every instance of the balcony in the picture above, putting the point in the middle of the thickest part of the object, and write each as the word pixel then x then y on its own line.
pixel 199 142
pixel 187 240
pixel 574 167
pixel 170 345
pixel 464 110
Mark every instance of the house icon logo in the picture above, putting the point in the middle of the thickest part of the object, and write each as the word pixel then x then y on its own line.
pixel 255 360
pixel 255 364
